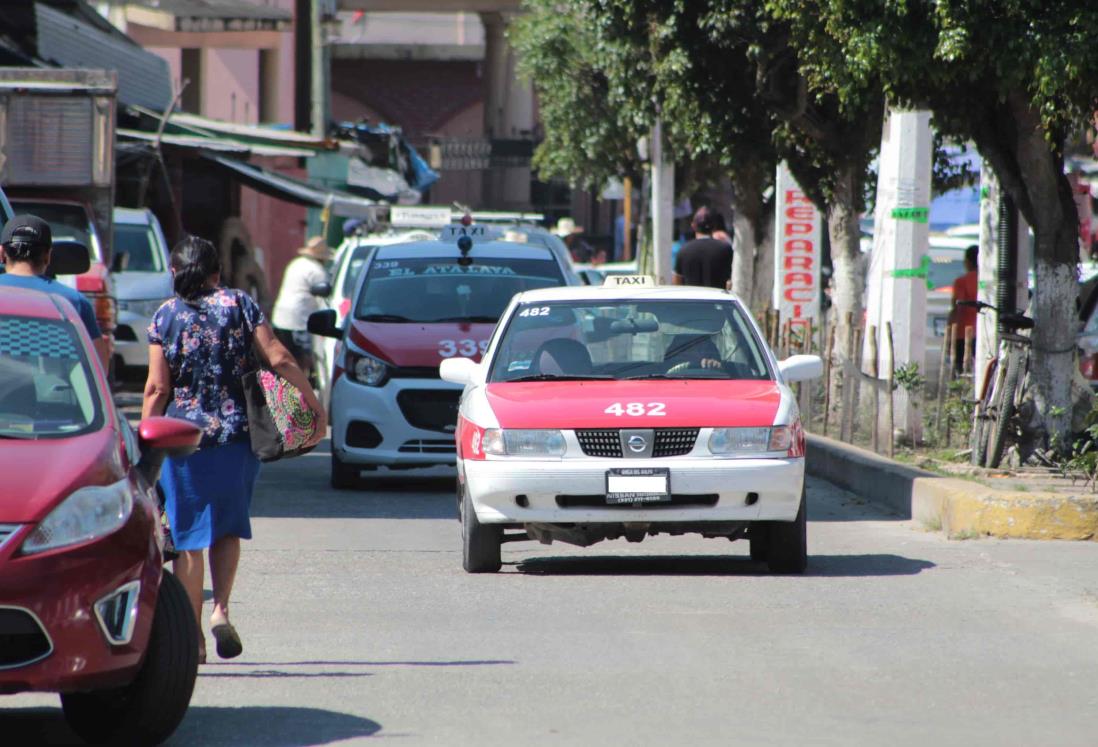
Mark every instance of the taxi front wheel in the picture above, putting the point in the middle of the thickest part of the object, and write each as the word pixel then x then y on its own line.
pixel 480 542
pixel 787 543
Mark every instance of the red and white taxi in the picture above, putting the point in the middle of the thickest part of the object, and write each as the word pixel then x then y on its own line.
pixel 607 412
pixel 417 304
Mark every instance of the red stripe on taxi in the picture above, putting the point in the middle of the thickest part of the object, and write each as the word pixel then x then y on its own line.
pixel 634 404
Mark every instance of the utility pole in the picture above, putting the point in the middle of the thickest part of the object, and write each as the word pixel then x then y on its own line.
pixel 303 65
pixel 899 263
pixel 663 196
pixel 320 67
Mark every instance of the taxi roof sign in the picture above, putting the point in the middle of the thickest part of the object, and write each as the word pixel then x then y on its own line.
pixel 476 233
pixel 629 281
pixel 419 217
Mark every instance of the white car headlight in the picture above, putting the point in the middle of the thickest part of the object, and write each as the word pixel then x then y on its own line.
pixel 365 369
pixel 87 514
pixel 521 442
pixel 750 440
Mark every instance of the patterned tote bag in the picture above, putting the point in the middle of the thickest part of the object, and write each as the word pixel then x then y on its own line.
pixel 279 421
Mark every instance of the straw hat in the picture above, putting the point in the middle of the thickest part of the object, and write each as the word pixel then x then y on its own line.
pixel 566 227
pixel 317 248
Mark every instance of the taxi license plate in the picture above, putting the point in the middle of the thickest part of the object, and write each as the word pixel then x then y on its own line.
pixel 638 485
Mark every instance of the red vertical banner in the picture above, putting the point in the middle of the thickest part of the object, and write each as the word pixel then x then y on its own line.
pixel 797 243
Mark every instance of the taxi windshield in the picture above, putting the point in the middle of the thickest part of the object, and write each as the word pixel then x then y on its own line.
pixel 629 339
pixel 47 389
pixel 438 289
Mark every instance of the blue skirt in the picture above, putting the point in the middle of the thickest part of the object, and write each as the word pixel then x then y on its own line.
pixel 208 494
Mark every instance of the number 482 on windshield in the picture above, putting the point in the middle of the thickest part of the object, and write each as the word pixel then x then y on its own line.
pixel 636 409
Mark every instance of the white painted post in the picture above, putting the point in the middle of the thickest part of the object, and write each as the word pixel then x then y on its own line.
pixel 897 284
pixel 987 341
pixel 663 196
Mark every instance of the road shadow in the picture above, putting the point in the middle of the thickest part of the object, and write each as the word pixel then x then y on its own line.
pixel 209 726
pixel 299 488
pixel 826 566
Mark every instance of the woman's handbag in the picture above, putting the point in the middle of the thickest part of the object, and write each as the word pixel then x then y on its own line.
pixel 279 421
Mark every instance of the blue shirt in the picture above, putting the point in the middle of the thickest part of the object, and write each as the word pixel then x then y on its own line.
pixel 208 347
pixel 79 301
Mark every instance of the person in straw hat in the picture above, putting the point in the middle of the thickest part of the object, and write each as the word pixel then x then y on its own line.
pixel 295 301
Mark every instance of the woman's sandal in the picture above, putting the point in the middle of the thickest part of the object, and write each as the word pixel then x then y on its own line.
pixel 228 642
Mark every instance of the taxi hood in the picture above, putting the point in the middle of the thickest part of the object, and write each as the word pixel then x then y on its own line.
pixel 420 345
pixel 673 404
pixel 38 475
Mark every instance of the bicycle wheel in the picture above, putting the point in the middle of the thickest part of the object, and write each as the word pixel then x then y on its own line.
pixel 1003 409
pixel 977 439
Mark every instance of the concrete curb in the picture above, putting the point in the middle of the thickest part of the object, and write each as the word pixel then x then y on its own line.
pixel 960 508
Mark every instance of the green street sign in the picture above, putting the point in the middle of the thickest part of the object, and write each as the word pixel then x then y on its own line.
pixel 913 214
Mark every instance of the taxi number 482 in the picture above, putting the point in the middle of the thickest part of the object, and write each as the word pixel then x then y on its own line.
pixel 463 348
pixel 636 409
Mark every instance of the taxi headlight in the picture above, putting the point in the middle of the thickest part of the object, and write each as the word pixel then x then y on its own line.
pixel 366 369
pixel 87 514
pixel 523 442
pixel 750 440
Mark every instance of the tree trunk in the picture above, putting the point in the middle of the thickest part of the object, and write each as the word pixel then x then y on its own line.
pixel 848 278
pixel 1031 170
pixel 743 258
pixel 762 295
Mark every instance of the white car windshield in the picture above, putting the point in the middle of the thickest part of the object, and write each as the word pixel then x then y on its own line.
pixel 137 244
pixel 439 289
pixel 629 339
pixel 47 389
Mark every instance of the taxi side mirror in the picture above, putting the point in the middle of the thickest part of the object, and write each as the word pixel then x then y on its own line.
pixel 459 370
pixel 69 258
pixel 801 368
pixel 323 323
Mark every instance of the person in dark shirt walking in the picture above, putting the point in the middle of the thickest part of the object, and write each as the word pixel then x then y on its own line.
pixel 705 261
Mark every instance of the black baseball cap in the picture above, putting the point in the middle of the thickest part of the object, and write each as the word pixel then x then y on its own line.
pixel 29 229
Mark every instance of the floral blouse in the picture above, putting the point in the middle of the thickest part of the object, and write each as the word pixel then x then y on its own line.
pixel 208 346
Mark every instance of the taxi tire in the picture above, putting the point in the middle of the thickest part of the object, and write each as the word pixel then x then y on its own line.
pixel 344 476
pixel 758 538
pixel 787 550
pixel 480 543
pixel 148 710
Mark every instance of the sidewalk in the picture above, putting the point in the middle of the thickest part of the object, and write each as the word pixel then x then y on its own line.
pixel 960 508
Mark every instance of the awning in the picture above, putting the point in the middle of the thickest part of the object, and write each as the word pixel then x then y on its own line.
pixel 253 136
pixel 66 41
pixel 294 190
pixel 223 145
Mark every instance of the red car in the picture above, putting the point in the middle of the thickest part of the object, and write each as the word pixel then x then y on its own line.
pixel 86 607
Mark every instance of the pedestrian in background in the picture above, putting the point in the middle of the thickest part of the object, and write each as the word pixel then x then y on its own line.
pixel 964 289
pixel 27 243
pixel 201 343
pixel 296 302
pixel 705 261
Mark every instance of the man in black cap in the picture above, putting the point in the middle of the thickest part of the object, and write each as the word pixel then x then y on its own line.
pixel 26 243
pixel 705 261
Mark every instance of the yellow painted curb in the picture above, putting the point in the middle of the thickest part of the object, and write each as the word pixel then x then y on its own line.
pixel 962 508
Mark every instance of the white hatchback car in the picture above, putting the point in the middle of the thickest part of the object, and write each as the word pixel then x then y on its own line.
pixel 142 282
pixel 600 413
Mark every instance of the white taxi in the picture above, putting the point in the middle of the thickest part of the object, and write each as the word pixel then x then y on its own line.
pixel 628 411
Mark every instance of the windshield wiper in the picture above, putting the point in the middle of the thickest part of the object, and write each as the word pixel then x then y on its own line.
pixel 471 319
pixel 560 377
pixel 385 318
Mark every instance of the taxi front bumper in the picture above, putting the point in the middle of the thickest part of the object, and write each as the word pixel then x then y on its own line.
pixel 509 490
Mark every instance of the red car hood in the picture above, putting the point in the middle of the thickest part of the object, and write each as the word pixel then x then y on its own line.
pixel 420 344
pixel 584 404
pixel 39 474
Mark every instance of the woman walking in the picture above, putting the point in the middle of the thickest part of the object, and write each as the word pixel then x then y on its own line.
pixel 201 343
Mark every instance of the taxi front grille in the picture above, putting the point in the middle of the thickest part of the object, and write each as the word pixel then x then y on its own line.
pixel 430 409
pixel 606 442
pixel 22 640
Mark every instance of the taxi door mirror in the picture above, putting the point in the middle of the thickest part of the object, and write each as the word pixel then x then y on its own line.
pixel 458 370
pixel 323 323
pixel 801 368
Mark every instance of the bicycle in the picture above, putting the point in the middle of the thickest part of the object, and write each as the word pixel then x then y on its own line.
pixel 1002 389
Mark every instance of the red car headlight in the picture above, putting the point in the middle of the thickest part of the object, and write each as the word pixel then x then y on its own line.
pixel 87 514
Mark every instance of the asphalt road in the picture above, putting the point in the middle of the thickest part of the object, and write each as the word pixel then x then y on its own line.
pixel 359 623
